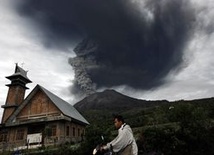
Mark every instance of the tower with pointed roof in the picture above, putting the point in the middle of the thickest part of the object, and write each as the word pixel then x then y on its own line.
pixel 16 92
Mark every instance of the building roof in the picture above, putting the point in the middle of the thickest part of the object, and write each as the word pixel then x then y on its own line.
pixel 19 72
pixel 66 108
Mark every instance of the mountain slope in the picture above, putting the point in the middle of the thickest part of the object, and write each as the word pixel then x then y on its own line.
pixel 112 100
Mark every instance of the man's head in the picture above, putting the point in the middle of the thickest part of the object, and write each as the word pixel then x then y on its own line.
pixel 118 121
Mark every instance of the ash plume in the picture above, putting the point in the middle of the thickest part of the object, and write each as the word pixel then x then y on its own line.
pixel 83 59
pixel 129 42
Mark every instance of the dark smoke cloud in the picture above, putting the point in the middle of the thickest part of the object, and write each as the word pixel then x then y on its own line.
pixel 121 47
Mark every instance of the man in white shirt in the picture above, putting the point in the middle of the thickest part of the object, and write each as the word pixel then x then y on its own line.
pixel 124 143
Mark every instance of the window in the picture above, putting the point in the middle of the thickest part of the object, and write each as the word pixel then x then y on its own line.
pixel 53 130
pixel 78 132
pixel 20 134
pixel 3 137
pixel 74 131
pixel 50 130
pixel 67 131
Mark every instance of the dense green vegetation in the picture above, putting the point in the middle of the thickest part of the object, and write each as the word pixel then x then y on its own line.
pixel 182 127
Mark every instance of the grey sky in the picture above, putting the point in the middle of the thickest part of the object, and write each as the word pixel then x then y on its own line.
pixel 20 41
pixel 18 44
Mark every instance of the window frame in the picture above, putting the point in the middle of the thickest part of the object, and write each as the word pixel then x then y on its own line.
pixel 20 134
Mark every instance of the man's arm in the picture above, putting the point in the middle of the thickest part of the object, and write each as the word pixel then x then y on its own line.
pixel 120 142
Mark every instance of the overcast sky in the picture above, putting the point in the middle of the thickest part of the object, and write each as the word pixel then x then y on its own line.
pixel 47 65
pixel 18 44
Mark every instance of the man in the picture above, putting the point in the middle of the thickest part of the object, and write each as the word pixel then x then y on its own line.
pixel 124 143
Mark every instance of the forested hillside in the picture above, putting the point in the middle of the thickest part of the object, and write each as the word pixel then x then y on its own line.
pixel 180 127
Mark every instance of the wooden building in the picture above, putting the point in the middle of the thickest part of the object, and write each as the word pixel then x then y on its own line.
pixel 41 118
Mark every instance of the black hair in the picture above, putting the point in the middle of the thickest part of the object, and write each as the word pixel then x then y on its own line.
pixel 119 118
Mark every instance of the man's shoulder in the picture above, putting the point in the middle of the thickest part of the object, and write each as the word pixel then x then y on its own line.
pixel 125 126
